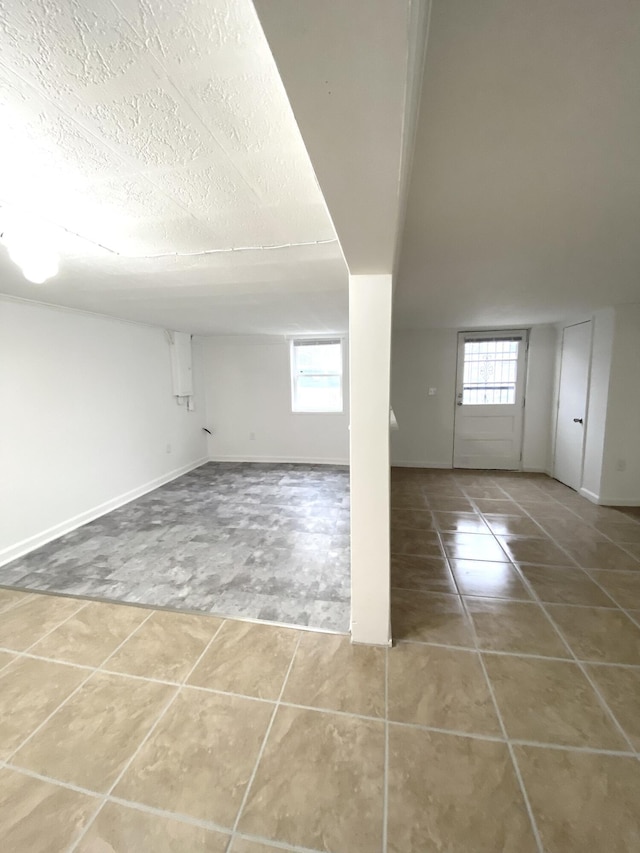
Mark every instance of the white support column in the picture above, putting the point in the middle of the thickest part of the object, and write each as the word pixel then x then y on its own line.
pixel 370 358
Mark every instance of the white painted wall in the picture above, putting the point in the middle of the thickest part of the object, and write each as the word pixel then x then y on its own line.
pixel 612 437
pixel 424 359
pixel 601 355
pixel 539 404
pixel 370 299
pixel 248 390
pixel 87 414
pixel 622 435
pixel 421 360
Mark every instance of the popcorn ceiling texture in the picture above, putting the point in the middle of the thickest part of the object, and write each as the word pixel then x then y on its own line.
pixel 152 127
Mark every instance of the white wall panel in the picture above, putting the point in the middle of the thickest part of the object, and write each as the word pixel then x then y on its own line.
pixel 88 420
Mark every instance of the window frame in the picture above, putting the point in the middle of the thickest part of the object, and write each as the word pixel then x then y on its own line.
pixel 300 340
pixel 519 334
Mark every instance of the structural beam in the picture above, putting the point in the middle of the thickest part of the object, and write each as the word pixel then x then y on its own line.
pixel 370 353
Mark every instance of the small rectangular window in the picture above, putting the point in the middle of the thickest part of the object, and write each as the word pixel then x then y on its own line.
pixel 316 375
pixel 490 372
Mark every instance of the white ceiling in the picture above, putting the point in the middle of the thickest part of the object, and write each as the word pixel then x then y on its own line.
pixel 349 67
pixel 163 128
pixel 277 291
pixel 157 127
pixel 524 204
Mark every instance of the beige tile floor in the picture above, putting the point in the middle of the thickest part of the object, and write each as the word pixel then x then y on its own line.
pixel 505 718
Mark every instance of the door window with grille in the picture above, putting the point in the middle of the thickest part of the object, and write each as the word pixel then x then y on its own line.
pixel 490 371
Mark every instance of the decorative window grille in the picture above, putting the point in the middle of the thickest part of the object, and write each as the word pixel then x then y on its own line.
pixel 490 371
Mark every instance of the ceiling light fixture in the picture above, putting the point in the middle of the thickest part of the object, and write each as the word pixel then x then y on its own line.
pixel 29 246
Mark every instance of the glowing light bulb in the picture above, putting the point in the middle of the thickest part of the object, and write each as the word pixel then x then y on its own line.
pixel 39 269
pixel 31 249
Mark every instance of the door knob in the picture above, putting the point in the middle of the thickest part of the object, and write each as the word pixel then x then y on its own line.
pixel 577 420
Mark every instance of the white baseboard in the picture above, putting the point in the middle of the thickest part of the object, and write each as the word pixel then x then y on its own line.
pixel 447 465
pixel 295 460
pixel 589 495
pixel 33 542
pixel 604 500
pixel 402 464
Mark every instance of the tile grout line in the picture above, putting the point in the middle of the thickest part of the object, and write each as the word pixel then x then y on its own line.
pixel 625 610
pixel 537 600
pixel 516 768
pixel 606 537
pixel 59 661
pixel 151 810
pixel 79 609
pixel 550 496
pixel 90 675
pixel 576 660
pixel 534 599
pixel 132 757
pixel 42 777
pixel 501 598
pixel 515 564
pixel 326 710
pixel 132 804
pixel 270 843
pixel 177 816
pixel 412 642
pixel 546 536
pixel 263 746
pixel 185 818
pixel 634 619
pixel 583 669
pixel 14 604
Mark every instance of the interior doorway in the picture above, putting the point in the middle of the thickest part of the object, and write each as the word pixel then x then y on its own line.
pixel 572 404
pixel 490 388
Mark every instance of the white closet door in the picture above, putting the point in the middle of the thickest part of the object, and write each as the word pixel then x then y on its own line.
pixel 572 404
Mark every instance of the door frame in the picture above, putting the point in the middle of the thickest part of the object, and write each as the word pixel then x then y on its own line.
pixel 556 409
pixel 491 333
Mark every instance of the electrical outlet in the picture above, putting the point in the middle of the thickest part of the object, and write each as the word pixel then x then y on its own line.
pixel 252 436
pixel 432 392
pixel 168 448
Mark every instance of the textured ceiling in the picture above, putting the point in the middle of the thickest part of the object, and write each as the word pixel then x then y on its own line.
pixel 156 128
pixel 277 291
pixel 524 201
pixel 163 128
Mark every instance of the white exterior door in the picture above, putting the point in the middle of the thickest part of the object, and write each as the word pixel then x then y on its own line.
pixel 490 400
pixel 572 404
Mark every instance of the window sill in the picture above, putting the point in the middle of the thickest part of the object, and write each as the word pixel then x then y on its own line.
pixel 317 412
